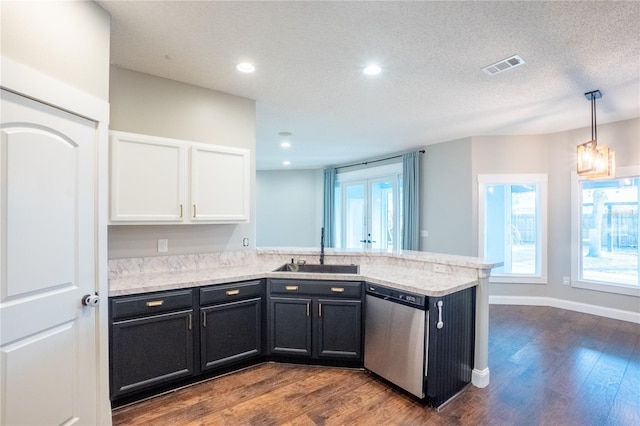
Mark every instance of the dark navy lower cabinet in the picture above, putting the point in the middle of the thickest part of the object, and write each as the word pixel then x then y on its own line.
pixel 161 340
pixel 230 332
pixel 451 345
pixel 151 341
pixel 339 329
pixel 290 326
pixel 315 319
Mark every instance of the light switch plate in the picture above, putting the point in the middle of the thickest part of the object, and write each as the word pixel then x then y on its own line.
pixel 163 245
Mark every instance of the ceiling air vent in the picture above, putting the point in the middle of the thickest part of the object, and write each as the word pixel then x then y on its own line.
pixel 503 65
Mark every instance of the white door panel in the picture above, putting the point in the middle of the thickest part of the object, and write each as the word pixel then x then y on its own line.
pixel 48 340
pixel 42 210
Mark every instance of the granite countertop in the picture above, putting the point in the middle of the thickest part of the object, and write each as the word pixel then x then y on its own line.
pixel 408 271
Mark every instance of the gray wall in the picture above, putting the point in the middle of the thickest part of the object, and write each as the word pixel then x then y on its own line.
pixel 141 103
pixel 66 40
pixel 554 154
pixel 450 207
pixel 446 202
pixel 289 208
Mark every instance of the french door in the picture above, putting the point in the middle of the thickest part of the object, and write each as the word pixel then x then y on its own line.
pixel 370 214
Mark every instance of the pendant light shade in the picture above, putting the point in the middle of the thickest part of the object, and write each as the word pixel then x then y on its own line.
pixel 595 161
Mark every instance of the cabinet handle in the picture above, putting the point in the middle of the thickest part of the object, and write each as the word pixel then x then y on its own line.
pixel 233 292
pixel 180 211
pixel 194 210
pixel 440 324
pixel 319 309
pixel 291 288
pixel 190 322
pixel 204 319
pixel 308 306
pixel 155 303
pixel 337 289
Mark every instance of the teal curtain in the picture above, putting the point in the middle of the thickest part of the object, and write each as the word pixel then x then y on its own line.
pixel 411 201
pixel 328 218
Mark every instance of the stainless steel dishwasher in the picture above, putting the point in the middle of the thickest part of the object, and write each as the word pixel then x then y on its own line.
pixel 396 337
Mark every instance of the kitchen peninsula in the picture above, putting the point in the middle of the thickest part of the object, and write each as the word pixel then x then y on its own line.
pixel 429 274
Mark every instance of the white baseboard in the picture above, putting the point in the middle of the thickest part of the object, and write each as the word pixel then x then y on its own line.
pixel 567 304
pixel 480 378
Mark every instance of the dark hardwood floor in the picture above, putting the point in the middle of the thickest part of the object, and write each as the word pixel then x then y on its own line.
pixel 548 367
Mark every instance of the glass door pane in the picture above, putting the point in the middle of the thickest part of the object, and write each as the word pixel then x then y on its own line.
pixel 381 214
pixel 354 219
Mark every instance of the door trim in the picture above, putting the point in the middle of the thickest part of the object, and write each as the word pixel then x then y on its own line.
pixel 34 84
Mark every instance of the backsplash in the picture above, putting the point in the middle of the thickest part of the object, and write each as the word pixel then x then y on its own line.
pixel 176 263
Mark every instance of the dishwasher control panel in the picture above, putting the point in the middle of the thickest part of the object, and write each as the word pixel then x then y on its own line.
pixel 404 297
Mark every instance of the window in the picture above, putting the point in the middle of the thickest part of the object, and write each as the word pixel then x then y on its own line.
pixel 605 229
pixel 367 208
pixel 512 225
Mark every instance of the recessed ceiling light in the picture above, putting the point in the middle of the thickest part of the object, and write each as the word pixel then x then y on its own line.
pixel 285 144
pixel 372 70
pixel 285 134
pixel 245 67
pixel 286 162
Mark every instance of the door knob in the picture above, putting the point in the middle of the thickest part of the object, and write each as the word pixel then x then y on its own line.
pixel 90 300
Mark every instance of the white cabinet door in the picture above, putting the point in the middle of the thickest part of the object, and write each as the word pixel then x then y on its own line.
pixel 148 179
pixel 219 184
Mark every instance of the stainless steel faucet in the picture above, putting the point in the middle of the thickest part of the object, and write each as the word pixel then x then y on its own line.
pixel 322 246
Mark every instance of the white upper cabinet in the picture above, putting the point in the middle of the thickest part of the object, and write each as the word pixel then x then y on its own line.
pixel 167 181
pixel 219 183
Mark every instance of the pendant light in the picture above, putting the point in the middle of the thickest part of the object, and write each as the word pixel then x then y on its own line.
pixel 595 161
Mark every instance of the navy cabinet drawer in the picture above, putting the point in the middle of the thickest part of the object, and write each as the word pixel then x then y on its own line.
pixel 230 292
pixel 349 289
pixel 150 303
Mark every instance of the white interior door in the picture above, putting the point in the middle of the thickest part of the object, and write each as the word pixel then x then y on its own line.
pixel 48 340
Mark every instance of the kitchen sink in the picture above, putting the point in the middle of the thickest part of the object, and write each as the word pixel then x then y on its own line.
pixel 319 268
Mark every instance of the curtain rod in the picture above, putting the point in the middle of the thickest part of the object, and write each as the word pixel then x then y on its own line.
pixel 364 163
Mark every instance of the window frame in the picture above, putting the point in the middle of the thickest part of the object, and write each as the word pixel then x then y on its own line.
pixel 576 239
pixel 539 179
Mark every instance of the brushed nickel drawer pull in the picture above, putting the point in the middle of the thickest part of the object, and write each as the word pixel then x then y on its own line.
pixel 233 292
pixel 319 309
pixel 190 321
pixel 204 319
pixel 194 210
pixel 155 303
pixel 180 210
pixel 291 288
pixel 308 313
pixel 337 289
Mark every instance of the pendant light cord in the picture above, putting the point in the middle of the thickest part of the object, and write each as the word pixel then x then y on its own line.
pixel 594 129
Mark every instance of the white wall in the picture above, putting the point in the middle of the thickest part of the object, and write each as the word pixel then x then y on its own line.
pixel 67 40
pixel 141 103
pixel 289 208
pixel 65 46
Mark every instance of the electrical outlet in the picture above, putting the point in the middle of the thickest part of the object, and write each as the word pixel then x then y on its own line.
pixel 438 268
pixel 245 242
pixel 424 233
pixel 163 245
pixel 566 281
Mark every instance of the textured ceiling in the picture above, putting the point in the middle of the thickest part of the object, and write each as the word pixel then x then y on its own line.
pixel 309 58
